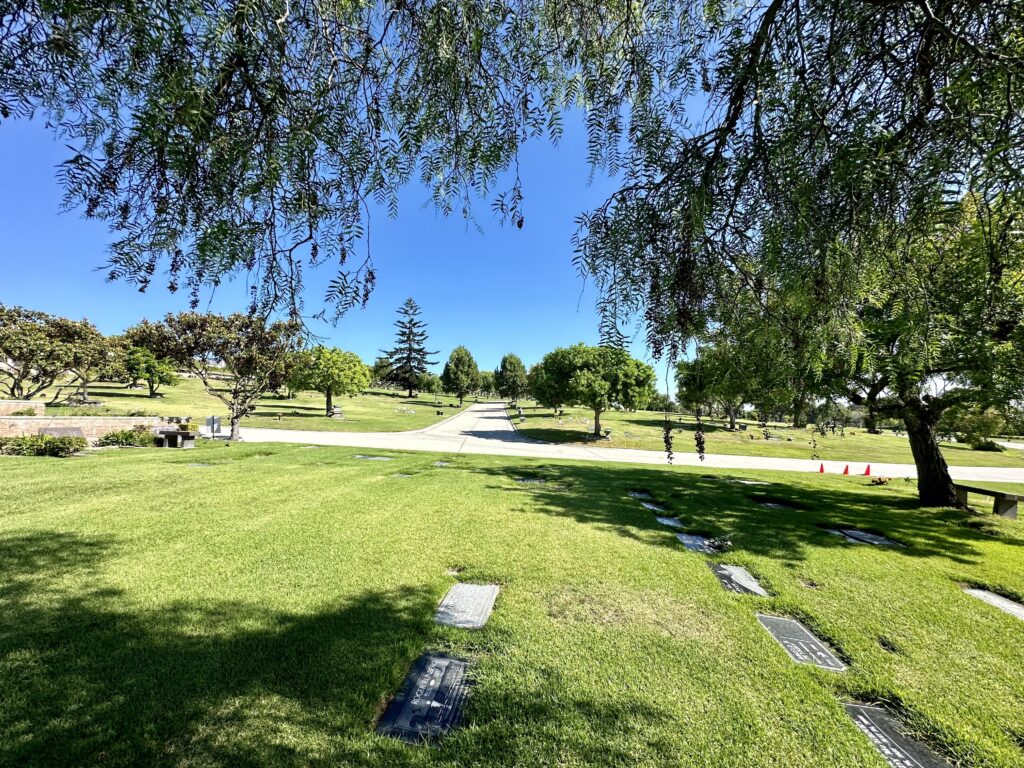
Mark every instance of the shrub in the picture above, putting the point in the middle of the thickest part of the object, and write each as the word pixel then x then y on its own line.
pixel 987 445
pixel 140 413
pixel 138 436
pixel 42 445
pixel 24 412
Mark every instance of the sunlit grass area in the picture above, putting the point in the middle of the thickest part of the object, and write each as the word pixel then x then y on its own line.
pixel 644 430
pixel 374 411
pixel 244 605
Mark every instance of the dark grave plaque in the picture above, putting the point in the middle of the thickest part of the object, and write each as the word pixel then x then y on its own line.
pixel 738 579
pixel 371 458
pixel 1000 602
pixel 61 432
pixel 531 480
pixel 671 522
pixel 641 495
pixel 652 506
pixel 776 505
pixel 837 532
pixel 899 750
pixel 799 643
pixel 467 606
pixel 430 702
pixel 696 543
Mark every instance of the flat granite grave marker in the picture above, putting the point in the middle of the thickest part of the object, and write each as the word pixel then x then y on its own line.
pixel 531 480
pixel 641 495
pixel 799 643
pixel 1000 602
pixel 467 606
pixel 430 702
pixel 738 579
pixel 696 543
pixel 752 482
pixel 671 522
pixel 442 463
pixel 775 505
pixel 652 506
pixel 371 458
pixel 882 729
pixel 863 537
pixel 61 432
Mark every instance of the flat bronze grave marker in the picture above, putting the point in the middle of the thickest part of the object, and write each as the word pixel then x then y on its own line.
pixel 799 643
pixel 671 522
pixel 652 506
pixel 696 543
pixel 467 606
pixel 430 702
pixel 863 537
pixel 371 458
pixel 882 729
pixel 738 579
pixel 1000 602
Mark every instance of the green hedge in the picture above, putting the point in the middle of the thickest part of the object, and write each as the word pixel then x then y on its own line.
pixel 42 445
pixel 138 436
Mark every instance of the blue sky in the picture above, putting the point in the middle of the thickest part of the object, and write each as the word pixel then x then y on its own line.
pixel 496 291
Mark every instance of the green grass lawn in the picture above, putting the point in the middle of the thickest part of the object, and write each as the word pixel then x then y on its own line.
pixel 260 608
pixel 375 411
pixel 643 429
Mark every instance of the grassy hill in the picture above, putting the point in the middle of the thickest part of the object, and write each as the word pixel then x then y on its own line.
pixel 253 605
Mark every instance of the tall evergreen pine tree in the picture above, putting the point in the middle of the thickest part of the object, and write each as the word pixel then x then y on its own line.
pixel 410 358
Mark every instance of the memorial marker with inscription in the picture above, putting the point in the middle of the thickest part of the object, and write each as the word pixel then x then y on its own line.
pixel 372 458
pixel 738 579
pixel 652 506
pixel 799 643
pixel 899 750
pixel 1000 602
pixel 671 522
pixel 863 537
pixel 467 606
pixel 696 543
pixel 430 703
pixel 641 495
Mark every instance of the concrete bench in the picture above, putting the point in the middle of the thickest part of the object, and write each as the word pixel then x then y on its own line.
pixel 1004 505
pixel 174 438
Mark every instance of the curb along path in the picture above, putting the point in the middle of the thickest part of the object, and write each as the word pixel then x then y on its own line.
pixel 484 428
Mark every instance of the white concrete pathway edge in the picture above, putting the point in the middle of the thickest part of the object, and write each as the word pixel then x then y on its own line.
pixel 485 429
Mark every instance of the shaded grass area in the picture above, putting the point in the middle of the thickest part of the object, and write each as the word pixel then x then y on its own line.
pixel 374 411
pixel 259 609
pixel 644 430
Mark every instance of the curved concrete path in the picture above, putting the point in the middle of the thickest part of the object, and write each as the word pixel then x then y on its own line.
pixel 485 429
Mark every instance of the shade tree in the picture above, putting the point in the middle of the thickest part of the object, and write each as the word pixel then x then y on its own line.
pixel 329 371
pixel 597 378
pixel 237 357
pixel 36 349
pixel 461 374
pixel 141 364
pixel 510 378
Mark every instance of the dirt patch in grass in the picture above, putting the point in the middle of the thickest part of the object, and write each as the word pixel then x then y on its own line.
pixel 650 610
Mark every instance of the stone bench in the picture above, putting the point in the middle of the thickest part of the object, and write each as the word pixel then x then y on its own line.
pixel 174 438
pixel 1004 505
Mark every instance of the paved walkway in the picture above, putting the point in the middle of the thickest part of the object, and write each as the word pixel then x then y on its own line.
pixel 485 429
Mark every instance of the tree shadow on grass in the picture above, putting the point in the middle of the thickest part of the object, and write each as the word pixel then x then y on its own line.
pixel 87 677
pixel 715 506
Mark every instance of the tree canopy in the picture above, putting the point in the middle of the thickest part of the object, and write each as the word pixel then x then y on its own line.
pixel 409 357
pixel 510 378
pixel 330 371
pixel 461 374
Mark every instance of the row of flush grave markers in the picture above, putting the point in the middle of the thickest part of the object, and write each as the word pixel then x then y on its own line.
pixel 431 699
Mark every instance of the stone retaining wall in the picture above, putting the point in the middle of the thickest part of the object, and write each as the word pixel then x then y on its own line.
pixel 93 427
pixel 7 407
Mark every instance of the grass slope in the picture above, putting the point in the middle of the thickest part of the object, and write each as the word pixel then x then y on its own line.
pixel 375 411
pixel 260 608
pixel 644 430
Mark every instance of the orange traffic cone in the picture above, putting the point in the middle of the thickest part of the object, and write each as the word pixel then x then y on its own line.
pixel 867 471
pixel 846 469
pixel 821 469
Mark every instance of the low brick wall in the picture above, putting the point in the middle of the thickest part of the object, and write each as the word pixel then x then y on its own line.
pixel 7 407
pixel 93 427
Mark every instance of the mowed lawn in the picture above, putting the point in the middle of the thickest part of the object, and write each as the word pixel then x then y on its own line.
pixel 645 430
pixel 250 605
pixel 375 411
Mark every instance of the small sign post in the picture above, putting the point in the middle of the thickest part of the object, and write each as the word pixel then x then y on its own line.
pixel 213 423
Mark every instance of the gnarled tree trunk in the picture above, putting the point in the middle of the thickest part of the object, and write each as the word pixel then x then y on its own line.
pixel 330 401
pixel 597 423
pixel 934 484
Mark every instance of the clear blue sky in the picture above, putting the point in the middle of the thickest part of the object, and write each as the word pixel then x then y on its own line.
pixel 496 291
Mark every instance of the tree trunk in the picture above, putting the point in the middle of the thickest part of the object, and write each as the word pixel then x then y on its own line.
pixel 330 401
pixel 871 422
pixel 597 423
pixel 731 410
pixel 460 401
pixel 235 434
pixel 151 382
pixel 799 419
pixel 934 485
pixel 410 391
